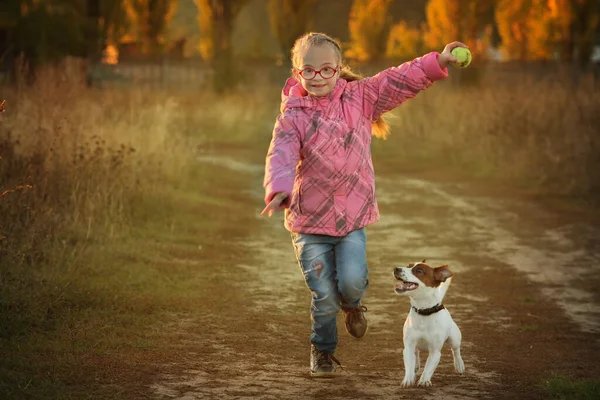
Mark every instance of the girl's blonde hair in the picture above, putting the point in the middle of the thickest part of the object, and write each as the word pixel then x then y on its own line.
pixel 381 129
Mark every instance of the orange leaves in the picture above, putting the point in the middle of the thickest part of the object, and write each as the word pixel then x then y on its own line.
pixel 369 26
pixel 533 29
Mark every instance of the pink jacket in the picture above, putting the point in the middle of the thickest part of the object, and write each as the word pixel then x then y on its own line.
pixel 320 153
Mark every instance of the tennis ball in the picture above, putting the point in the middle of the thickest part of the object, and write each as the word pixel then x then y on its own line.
pixel 463 56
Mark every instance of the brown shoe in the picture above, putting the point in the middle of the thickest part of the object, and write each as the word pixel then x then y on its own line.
pixel 321 362
pixel 356 322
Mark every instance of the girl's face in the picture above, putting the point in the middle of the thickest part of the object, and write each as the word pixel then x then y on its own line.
pixel 316 58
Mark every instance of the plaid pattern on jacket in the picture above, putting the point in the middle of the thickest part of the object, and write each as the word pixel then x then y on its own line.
pixel 320 152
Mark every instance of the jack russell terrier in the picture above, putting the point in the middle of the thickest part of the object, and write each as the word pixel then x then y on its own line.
pixel 428 325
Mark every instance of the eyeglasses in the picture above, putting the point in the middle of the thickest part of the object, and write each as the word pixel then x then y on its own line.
pixel 325 72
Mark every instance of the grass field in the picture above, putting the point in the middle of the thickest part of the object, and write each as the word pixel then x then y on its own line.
pixel 562 388
pixel 104 205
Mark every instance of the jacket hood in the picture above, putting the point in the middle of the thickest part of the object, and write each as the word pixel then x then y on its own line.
pixel 294 95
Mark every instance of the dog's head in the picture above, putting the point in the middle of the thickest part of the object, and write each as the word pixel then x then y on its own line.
pixel 420 277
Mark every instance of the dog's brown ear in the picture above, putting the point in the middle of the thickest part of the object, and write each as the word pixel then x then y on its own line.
pixel 424 261
pixel 442 273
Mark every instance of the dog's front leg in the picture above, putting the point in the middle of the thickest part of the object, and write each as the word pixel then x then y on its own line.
pixel 430 366
pixel 418 361
pixel 409 365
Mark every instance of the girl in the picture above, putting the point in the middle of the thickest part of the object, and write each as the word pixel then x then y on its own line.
pixel 319 169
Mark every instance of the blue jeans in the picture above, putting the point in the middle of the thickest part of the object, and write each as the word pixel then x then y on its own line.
pixel 335 270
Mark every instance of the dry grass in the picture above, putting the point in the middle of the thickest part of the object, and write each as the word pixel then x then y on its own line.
pixel 101 196
pixel 87 156
pixel 539 131
pixel 79 170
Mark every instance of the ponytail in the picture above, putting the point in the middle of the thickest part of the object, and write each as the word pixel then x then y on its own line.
pixel 381 128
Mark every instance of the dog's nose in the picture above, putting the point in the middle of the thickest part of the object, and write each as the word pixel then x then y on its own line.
pixel 397 272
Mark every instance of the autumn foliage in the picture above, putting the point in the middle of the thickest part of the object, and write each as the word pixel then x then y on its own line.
pixel 547 29
pixel 289 20
pixel 521 29
pixel 369 25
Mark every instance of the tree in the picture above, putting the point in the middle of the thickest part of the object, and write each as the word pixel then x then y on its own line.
pixel 160 13
pixel 47 31
pixel 151 18
pixel 9 15
pixel 580 35
pixel 548 29
pixel 206 24
pixel 404 42
pixel 216 18
pixel 560 14
pixel 289 20
pixel 369 27
pixel 114 22
pixel 523 26
pixel 465 20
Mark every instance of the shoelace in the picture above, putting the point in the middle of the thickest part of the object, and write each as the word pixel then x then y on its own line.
pixel 336 360
pixel 326 355
pixel 353 312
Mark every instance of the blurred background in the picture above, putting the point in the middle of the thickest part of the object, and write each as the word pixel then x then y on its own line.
pixel 203 43
pixel 134 133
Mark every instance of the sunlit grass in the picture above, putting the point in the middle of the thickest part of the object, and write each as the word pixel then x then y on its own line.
pixel 121 231
pixel 536 133
pixel 562 388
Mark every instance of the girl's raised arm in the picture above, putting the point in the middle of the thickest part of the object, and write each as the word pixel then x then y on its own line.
pixel 393 86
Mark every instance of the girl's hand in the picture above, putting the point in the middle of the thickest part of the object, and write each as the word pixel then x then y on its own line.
pixel 274 204
pixel 446 57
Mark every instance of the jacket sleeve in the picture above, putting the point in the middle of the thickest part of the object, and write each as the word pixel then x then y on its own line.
pixel 282 159
pixel 393 86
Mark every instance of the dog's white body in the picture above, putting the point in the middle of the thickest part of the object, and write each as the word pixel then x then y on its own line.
pixel 426 332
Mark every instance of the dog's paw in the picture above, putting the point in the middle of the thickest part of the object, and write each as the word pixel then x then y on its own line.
pixel 459 366
pixel 424 383
pixel 408 382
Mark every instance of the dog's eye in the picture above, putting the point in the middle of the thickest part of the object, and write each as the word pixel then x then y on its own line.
pixel 419 271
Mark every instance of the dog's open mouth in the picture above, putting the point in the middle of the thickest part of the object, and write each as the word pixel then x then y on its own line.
pixel 405 286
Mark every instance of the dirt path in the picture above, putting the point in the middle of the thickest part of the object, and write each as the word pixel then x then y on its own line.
pixel 524 296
